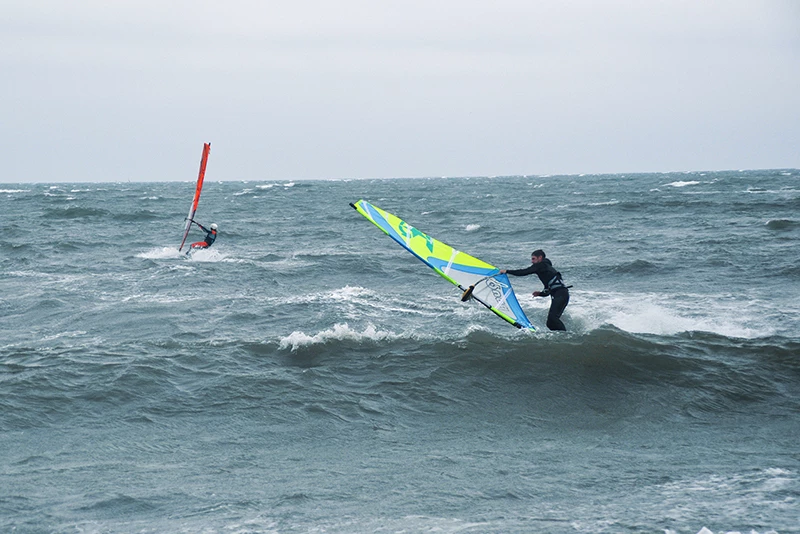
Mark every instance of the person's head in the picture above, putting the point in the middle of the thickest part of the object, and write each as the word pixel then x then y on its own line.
pixel 214 226
pixel 537 255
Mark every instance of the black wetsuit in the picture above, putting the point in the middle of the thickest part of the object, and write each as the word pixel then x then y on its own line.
pixel 553 286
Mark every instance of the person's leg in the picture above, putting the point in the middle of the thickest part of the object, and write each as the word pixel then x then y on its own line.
pixel 558 303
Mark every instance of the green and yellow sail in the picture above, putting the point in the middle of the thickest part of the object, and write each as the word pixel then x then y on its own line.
pixel 475 277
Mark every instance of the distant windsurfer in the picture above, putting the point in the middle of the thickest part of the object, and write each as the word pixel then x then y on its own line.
pixel 211 235
pixel 553 286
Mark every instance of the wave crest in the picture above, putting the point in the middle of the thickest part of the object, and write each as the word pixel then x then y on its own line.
pixel 339 332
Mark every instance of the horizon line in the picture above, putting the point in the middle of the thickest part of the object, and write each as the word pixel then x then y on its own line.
pixel 465 177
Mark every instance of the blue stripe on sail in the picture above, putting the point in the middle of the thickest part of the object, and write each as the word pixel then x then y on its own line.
pixel 438 263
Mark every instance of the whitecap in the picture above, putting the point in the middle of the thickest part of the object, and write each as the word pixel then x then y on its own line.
pixel 472 227
pixel 663 315
pixel 339 332
pixel 160 253
pixel 608 203
pixel 682 184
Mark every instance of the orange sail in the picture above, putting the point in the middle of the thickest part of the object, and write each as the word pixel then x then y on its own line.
pixel 198 189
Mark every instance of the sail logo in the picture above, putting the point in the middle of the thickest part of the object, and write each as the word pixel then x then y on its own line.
pixel 409 232
pixel 497 291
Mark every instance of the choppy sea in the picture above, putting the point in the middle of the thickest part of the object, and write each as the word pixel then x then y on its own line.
pixel 306 374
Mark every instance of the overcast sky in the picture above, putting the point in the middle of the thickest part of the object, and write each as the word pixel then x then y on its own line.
pixel 99 90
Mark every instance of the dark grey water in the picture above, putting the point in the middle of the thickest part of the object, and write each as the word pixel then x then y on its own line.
pixel 306 374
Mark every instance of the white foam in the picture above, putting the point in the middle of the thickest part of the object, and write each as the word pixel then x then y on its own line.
pixel 667 315
pixel 160 253
pixel 70 334
pixel 14 190
pixel 472 227
pixel 340 332
pixel 682 184
pixel 761 491
pixel 165 253
pixel 350 293
pixel 206 255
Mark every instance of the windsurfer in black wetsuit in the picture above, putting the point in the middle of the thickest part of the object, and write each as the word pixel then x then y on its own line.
pixel 553 286
pixel 211 236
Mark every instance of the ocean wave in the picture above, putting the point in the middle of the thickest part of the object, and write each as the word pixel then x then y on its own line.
pixel 348 373
pixel 479 342
pixel 138 216
pixel 339 332
pixel 636 267
pixel 669 314
pixel 75 213
pixel 782 224
pixel 247 191
pixel 792 272
pixel 607 203
pixel 17 249
pixel 693 376
pixel 441 316
pixel 117 505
